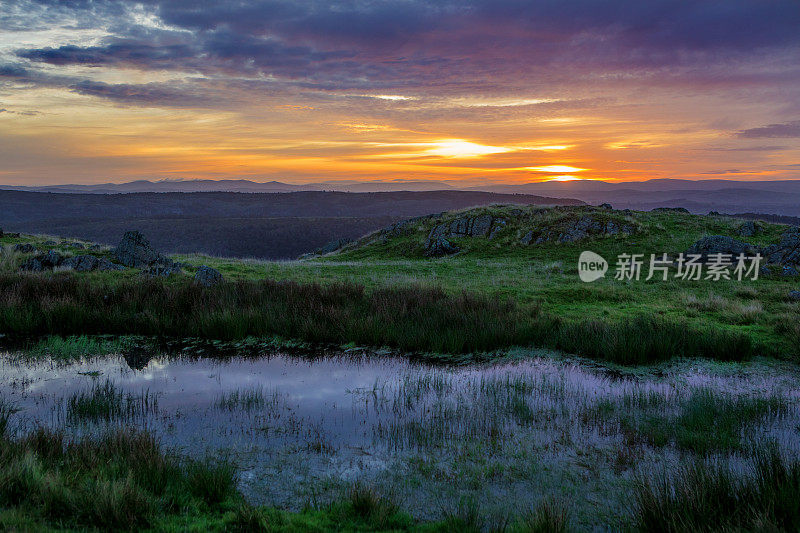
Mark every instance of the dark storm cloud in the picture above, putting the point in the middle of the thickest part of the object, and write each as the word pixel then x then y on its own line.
pixel 150 94
pixel 785 130
pixel 443 46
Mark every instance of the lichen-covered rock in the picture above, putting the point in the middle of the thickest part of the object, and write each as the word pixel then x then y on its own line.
pixel 45 261
pixel 158 270
pixel 787 251
pixel 439 247
pixel 25 248
pixel 475 226
pixel 586 226
pixel 87 263
pixel 527 238
pixel 208 276
pixel 134 251
pixel 748 229
pixel 499 224
pixel 721 244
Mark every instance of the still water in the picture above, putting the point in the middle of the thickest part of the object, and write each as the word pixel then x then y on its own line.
pixel 299 429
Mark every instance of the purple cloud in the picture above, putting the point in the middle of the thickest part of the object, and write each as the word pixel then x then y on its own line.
pixel 785 130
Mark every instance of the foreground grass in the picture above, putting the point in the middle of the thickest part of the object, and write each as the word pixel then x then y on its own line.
pixel 710 497
pixel 123 481
pixel 416 318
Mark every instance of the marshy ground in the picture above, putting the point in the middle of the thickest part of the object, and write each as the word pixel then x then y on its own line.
pixel 482 444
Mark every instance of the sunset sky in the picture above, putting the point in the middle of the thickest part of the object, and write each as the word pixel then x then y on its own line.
pixel 471 92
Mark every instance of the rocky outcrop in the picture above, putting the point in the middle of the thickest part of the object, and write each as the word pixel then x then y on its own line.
pixel 45 261
pixel 158 270
pixel 438 243
pixel 605 206
pixel 439 247
pixel 721 244
pixel 80 263
pixel 26 248
pixel 785 252
pixel 476 226
pixel 87 263
pixel 134 251
pixel 586 226
pixel 748 229
pixel 208 276
pixel 794 296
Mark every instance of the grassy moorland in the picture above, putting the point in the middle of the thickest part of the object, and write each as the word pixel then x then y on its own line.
pixel 383 291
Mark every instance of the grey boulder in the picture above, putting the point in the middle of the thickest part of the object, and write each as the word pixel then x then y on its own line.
pixel 208 276
pixel 748 229
pixel 159 270
pixel 88 263
pixel 439 247
pixel 45 261
pixel 787 251
pixel 135 251
pixel 26 248
pixel 721 244
pixel 477 226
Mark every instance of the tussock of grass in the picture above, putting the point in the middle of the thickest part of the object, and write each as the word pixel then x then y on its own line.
pixel 710 497
pixel 408 318
pixel 245 400
pixel 705 422
pixel 104 402
pixel 74 347
pixel 121 481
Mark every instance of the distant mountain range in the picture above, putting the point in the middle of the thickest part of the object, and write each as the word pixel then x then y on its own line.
pixel 700 196
pixel 243 186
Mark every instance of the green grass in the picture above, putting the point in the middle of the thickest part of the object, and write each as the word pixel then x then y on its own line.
pixel 710 497
pixel 121 481
pixel 75 346
pixel 103 402
pixel 704 422
pixel 244 399
pixel 383 292
pixel 543 278
pixel 124 481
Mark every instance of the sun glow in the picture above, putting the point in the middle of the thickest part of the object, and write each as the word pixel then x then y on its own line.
pixel 565 177
pixel 462 148
pixel 555 168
